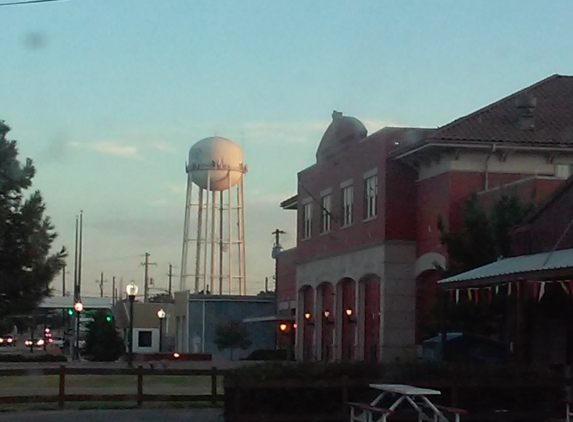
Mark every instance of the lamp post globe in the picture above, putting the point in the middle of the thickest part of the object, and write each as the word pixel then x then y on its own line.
pixel 131 289
pixel 78 308
pixel 161 315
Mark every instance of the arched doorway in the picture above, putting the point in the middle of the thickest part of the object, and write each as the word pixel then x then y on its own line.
pixel 325 295
pixel 307 296
pixel 370 286
pixel 348 328
pixel 426 296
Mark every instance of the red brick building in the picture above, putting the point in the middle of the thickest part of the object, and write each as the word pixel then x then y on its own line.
pixel 364 268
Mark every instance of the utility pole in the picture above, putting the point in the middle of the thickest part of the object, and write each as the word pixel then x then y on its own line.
pixel 113 292
pixel 170 274
pixel 275 254
pixel 100 282
pixel 146 277
pixel 64 281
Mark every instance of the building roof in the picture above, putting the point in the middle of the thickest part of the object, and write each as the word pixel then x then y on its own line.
pixel 535 267
pixel 64 302
pixel 540 115
pixel 561 190
pixel 290 203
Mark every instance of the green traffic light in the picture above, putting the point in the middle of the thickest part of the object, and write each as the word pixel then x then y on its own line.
pixel 70 312
pixel 108 318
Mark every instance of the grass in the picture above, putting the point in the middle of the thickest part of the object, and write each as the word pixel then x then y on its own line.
pixel 194 384
pixel 102 406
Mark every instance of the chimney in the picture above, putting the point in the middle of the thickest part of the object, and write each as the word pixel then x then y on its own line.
pixel 526 111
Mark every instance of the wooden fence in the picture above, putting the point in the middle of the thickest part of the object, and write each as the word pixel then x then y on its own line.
pixel 139 373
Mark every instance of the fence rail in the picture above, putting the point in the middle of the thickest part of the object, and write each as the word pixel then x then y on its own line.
pixel 140 397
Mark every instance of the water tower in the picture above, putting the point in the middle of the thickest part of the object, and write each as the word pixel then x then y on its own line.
pixel 215 202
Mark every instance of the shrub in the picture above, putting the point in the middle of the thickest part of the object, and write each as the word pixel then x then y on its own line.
pixel 267 354
pixel 33 358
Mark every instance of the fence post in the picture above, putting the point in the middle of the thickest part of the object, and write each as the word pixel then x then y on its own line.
pixel 62 393
pixel 139 385
pixel 214 386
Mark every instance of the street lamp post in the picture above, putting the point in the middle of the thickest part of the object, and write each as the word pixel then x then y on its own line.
pixel 161 315
pixel 78 307
pixel 131 291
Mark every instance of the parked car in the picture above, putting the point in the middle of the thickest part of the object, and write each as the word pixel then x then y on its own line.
pixel 39 343
pixel 7 340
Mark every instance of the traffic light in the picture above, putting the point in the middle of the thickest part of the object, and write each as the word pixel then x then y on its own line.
pixel 70 312
pixel 108 318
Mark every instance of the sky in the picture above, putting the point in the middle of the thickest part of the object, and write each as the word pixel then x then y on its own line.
pixel 107 97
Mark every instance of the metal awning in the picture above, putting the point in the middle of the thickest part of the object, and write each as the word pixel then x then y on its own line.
pixel 270 318
pixel 537 267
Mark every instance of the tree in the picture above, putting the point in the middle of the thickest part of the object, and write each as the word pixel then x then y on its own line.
pixel 232 335
pixel 26 236
pixel 103 343
pixel 484 237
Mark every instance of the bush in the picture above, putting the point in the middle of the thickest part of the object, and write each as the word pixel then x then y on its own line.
pixel 103 343
pixel 267 354
pixel 33 358
pixel 309 388
pixel 459 373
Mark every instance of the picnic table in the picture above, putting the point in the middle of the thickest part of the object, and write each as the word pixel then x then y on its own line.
pixel 400 394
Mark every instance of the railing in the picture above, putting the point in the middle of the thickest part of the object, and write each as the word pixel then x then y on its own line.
pixel 140 397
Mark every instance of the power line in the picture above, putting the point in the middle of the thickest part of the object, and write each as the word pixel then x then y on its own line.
pixel 19 3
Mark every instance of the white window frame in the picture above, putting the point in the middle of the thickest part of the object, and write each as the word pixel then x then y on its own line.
pixel 370 196
pixel 347 202
pixel 326 213
pixel 306 220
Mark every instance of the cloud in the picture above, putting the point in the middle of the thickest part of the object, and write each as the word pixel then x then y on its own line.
pixel 111 148
pixel 300 132
pixel 177 189
pixel 271 198
pixel 295 133
pixel 374 125
pixel 163 146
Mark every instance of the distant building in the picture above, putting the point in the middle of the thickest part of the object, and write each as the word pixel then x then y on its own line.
pixel 198 315
pixel 146 325
pixel 363 273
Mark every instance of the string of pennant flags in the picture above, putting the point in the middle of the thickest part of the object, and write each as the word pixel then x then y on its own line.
pixel 475 294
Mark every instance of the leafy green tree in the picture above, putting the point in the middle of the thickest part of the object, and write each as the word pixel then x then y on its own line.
pixel 483 239
pixel 26 235
pixel 232 335
pixel 103 343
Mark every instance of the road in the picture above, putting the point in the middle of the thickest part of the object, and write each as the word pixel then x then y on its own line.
pixel 165 415
pixel 220 364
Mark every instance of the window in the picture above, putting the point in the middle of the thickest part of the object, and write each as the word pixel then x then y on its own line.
pixel 370 197
pixel 307 220
pixel 326 213
pixel 347 205
pixel 144 339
